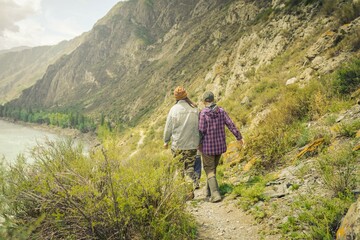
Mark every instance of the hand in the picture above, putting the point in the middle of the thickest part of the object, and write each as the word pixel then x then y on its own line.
pixel 166 145
pixel 241 143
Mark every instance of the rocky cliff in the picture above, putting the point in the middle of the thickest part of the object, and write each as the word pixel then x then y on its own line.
pixel 135 55
pixel 20 68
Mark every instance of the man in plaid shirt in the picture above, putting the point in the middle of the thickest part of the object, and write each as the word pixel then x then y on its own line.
pixel 213 141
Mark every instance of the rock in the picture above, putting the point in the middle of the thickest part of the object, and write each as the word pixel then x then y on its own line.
pixel 316 63
pixel 245 100
pixel 356 192
pixel 285 219
pixel 326 41
pixel 340 118
pixel 277 195
pixel 311 147
pixel 250 164
pixel 355 94
pixel 276 192
pixel 291 81
pixel 350 225
pixel 259 204
pixel 306 74
pixel 259 117
pixel 345 29
pixel 273 183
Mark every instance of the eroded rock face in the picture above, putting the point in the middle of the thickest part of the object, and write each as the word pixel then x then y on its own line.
pixel 350 225
pixel 133 57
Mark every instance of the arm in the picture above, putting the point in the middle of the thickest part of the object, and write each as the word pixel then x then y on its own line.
pixel 168 129
pixel 202 126
pixel 231 126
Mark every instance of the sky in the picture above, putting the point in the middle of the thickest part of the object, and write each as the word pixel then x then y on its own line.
pixel 47 22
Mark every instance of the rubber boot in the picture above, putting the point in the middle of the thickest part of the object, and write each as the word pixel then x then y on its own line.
pixel 214 189
pixel 207 190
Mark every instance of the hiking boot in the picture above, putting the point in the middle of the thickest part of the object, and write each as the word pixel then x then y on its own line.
pixel 214 189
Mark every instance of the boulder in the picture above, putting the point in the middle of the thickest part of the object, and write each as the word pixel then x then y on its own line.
pixel 316 63
pixel 306 74
pixel 291 81
pixel 350 225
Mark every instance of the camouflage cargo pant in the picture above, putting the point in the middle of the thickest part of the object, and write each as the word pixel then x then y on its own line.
pixel 187 160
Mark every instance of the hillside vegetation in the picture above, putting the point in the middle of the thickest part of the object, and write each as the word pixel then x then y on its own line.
pixel 288 73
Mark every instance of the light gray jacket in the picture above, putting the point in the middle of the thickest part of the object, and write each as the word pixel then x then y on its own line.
pixel 182 126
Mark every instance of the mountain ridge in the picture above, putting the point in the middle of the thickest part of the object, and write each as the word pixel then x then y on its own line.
pixel 21 69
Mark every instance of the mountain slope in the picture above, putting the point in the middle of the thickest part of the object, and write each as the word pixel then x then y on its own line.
pixel 20 69
pixel 135 55
pixel 141 46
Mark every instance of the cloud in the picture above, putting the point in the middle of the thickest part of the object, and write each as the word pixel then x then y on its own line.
pixel 12 11
pixel 47 22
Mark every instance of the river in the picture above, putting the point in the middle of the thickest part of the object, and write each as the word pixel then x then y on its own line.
pixel 17 139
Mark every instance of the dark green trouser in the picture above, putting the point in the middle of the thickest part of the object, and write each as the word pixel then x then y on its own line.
pixel 187 159
pixel 210 163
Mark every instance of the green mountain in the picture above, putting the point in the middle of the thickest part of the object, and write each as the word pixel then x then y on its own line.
pixel 21 67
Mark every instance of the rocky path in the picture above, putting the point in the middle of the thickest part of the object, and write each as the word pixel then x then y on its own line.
pixel 223 220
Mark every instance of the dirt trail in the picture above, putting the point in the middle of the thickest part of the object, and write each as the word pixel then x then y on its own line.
pixel 223 220
pixel 139 143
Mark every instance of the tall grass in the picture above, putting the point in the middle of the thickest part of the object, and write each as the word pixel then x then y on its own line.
pixel 339 168
pixel 315 217
pixel 66 195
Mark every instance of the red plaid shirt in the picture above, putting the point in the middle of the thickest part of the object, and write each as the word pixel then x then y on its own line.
pixel 212 129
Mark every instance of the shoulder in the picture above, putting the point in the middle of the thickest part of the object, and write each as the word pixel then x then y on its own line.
pixel 174 109
pixel 204 111
pixel 221 110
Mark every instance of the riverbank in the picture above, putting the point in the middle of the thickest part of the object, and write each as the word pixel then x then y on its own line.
pixel 90 139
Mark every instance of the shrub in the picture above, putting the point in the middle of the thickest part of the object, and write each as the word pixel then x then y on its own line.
pixel 348 11
pixel 349 129
pixel 95 197
pixel 315 217
pixel 348 78
pixel 338 168
pixel 277 134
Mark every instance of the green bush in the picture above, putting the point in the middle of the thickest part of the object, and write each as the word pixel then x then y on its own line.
pixel 66 195
pixel 251 192
pixel 349 129
pixel 348 11
pixel 338 168
pixel 348 78
pixel 278 132
pixel 315 218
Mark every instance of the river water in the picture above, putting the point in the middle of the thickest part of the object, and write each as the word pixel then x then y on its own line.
pixel 17 139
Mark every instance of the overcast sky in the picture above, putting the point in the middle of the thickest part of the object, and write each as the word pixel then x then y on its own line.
pixel 47 22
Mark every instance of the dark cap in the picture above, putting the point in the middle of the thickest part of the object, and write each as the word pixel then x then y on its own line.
pixel 208 97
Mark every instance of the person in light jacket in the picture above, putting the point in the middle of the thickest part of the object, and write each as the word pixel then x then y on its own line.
pixel 212 122
pixel 181 129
